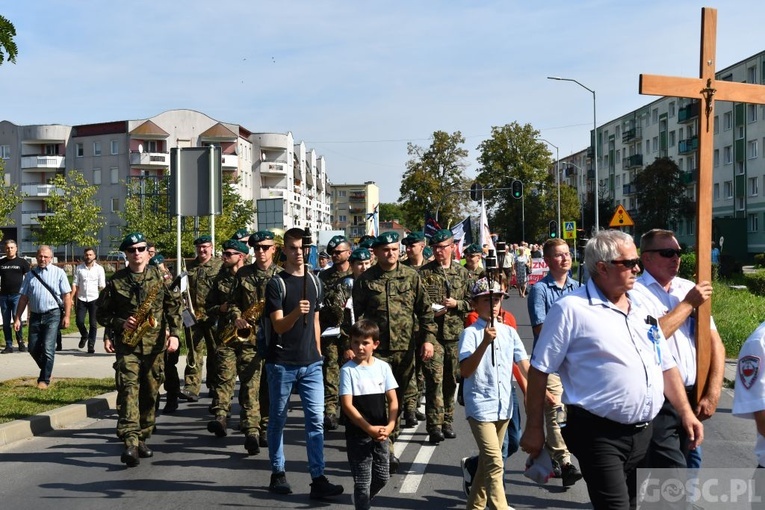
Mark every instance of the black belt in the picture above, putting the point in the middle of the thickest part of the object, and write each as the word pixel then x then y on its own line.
pixel 594 419
pixel 49 311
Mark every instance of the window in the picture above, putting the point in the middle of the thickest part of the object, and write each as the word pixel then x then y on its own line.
pixel 752 223
pixel 717 191
pixel 648 146
pixel 740 203
pixel 727 121
pixel 341 193
pixel 689 227
pixel 115 175
pixel 115 146
pixel 115 204
pixel 739 132
pixel 717 124
pixel 671 108
pixel 342 218
pixel 753 186
pixel 728 189
pixel 716 158
pixel 751 149
pixel 727 154
pixel 739 167
pixel 691 162
pixel 96 176
pixel 680 163
pixel 51 149
pixel 96 148
pixel 751 74
pixel 151 146
pixel 751 113
pixel 671 138
pixel 5 151
pixel 655 116
pixel 655 143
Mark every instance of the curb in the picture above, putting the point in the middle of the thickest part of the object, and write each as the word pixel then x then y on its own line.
pixel 56 419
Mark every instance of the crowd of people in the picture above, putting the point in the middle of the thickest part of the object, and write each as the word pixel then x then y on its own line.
pixel 610 381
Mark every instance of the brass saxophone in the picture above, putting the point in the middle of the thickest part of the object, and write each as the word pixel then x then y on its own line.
pixel 252 316
pixel 144 319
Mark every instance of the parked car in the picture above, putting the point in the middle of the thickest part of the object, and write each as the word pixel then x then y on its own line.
pixel 116 256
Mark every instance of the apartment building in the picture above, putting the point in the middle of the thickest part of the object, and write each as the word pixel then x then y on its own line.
pixel 351 203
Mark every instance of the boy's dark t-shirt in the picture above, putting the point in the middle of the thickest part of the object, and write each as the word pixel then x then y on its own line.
pixel 12 273
pixel 298 345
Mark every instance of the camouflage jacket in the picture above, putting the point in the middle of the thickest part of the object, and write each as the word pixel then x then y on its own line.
pixel 394 300
pixel 125 293
pixel 336 295
pixel 474 275
pixel 201 278
pixel 218 295
pixel 441 283
pixel 249 287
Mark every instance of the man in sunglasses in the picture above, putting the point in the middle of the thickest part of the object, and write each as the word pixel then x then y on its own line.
pixel 615 367
pixel 675 300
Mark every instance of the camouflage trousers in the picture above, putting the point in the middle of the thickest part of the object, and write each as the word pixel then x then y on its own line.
pixel 441 384
pixel 200 340
pixel 241 359
pixel 139 377
pixel 402 365
pixel 331 349
pixel 416 387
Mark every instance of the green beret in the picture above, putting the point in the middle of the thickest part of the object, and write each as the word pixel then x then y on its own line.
pixel 156 260
pixel 413 237
pixel 260 235
pixel 442 235
pixel 131 239
pixel 335 242
pixel 473 249
pixel 234 244
pixel 385 238
pixel 427 252
pixel 360 254
pixel 366 241
pixel 202 240
pixel 240 234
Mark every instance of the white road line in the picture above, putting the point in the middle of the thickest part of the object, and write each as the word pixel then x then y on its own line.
pixel 414 477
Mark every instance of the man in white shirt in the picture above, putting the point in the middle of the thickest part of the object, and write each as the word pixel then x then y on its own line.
pixel 89 280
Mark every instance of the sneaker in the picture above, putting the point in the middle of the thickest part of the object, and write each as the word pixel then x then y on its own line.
pixel 321 488
pixel 8 350
pixel 467 478
pixel 393 463
pixel 22 347
pixel 570 475
pixel 82 343
pixel 279 483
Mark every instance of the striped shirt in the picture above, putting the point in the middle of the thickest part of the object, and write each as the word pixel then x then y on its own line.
pixel 40 299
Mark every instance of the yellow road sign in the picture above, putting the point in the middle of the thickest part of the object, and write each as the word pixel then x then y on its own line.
pixel 569 230
pixel 621 218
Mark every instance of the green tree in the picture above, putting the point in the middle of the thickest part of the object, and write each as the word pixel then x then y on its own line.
pixel 661 195
pixel 514 152
pixel 431 174
pixel 391 211
pixel 76 216
pixel 8 49
pixel 10 198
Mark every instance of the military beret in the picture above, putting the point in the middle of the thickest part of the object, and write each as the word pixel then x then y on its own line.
pixel 366 243
pixel 442 235
pixel 473 249
pixel 202 240
pixel 131 239
pixel 234 244
pixel 335 242
pixel 427 252
pixel 240 234
pixel 360 254
pixel 259 236
pixel 413 237
pixel 156 260
pixel 323 255
pixel 385 238
pixel 482 288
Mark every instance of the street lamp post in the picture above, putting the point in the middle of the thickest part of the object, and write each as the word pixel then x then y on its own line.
pixel 557 180
pixel 595 144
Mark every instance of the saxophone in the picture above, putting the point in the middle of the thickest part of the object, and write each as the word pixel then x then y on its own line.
pixel 144 319
pixel 252 316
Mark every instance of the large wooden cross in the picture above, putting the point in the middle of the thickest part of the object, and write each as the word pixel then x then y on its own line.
pixel 707 90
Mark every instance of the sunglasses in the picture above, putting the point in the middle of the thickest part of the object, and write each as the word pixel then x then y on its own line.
pixel 262 247
pixel 667 253
pixel 629 264
pixel 136 249
pixel 230 253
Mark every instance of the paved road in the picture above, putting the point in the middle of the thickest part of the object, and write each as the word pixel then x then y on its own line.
pixel 79 467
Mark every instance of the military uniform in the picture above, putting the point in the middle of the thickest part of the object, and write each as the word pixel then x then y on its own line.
pixel 140 368
pixel 413 392
pixel 203 336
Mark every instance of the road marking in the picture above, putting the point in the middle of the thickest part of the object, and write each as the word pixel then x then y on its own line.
pixel 414 475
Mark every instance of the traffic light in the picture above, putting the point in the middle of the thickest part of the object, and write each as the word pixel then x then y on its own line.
pixel 517 189
pixel 476 192
pixel 553 229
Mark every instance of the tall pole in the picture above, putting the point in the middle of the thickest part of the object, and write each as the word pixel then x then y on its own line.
pixel 557 181
pixel 596 199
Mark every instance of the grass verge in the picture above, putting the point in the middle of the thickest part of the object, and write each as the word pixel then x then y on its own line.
pixel 737 313
pixel 20 398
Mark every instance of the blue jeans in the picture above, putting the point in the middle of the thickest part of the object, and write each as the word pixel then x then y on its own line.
pixel 43 329
pixel 310 387
pixel 8 304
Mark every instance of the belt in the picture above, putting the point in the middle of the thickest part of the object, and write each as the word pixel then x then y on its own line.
pixel 48 311
pixel 582 414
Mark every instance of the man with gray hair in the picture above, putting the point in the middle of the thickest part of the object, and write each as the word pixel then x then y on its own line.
pixel 615 367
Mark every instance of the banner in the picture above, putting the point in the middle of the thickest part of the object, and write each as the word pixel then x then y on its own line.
pixel 463 236
pixel 484 231
pixel 431 225
pixel 374 216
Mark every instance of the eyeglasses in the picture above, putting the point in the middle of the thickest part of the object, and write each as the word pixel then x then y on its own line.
pixel 565 255
pixel 262 247
pixel 136 249
pixel 667 253
pixel 230 253
pixel 338 252
pixel 629 264
pixel 441 246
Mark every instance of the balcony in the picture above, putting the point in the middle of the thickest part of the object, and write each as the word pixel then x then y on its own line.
pixel 688 145
pixel 688 113
pixel 629 189
pixel 689 177
pixel 273 168
pixel 38 190
pixel 357 197
pixel 229 161
pixel 33 217
pixel 633 134
pixel 150 159
pixel 42 163
pixel 636 160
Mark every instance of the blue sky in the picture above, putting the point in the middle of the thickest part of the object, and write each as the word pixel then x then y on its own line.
pixel 358 80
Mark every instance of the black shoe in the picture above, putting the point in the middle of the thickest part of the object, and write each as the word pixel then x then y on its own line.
pixel 279 483
pixel 557 472
pixel 251 444
pixel 217 426
pixel 570 475
pixel 321 488
pixel 130 456
pixel 435 437
pixel 393 463
pixel 330 422
pixel 171 405
pixel 263 439
pixel 448 431
pixel 91 351
pixel 7 350
pixel 59 347
pixel 82 343
pixel 410 421
pixel 144 451
pixel 419 415
pixel 188 395
pixel 22 347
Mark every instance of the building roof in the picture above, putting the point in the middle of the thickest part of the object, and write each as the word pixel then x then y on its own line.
pixel 149 130
pixel 218 132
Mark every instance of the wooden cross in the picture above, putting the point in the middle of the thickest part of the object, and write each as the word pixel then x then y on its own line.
pixel 707 90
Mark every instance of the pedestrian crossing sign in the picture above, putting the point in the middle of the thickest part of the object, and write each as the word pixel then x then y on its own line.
pixel 569 230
